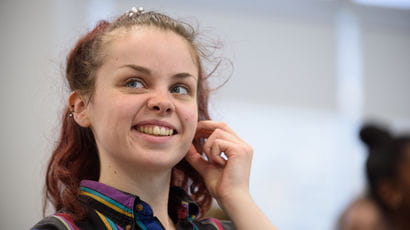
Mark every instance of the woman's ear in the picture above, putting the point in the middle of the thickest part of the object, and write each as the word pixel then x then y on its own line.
pixel 79 110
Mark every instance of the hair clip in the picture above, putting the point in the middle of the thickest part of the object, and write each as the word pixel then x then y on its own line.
pixel 136 11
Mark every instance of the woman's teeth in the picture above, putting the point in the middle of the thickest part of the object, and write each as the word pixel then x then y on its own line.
pixel 156 130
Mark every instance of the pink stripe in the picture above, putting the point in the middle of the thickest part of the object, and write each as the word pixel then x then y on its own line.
pixel 217 223
pixel 68 220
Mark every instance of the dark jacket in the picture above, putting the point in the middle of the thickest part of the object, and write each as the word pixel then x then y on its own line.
pixel 109 208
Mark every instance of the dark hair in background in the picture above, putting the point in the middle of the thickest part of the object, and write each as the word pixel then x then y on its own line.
pixel 75 156
pixel 385 153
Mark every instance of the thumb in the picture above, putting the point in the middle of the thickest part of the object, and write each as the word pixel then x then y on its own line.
pixel 195 160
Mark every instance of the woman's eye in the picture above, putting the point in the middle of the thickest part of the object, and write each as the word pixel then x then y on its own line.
pixel 179 90
pixel 134 83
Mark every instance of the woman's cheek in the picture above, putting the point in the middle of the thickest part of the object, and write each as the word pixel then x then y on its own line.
pixel 190 118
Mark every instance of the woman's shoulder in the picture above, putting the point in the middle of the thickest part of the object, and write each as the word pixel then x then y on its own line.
pixel 65 221
pixel 58 221
pixel 362 213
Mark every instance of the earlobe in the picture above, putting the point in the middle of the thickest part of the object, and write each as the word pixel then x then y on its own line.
pixel 78 107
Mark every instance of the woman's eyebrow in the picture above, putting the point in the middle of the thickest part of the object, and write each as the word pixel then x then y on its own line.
pixel 148 72
pixel 137 68
pixel 183 75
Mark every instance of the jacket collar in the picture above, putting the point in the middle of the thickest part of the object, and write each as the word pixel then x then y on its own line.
pixel 124 208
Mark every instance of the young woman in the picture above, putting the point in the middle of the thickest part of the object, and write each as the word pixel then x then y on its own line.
pixel 137 148
pixel 387 204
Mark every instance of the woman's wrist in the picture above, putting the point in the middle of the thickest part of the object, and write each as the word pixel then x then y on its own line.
pixel 244 212
pixel 234 199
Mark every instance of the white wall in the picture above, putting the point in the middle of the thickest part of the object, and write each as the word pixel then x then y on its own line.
pixel 305 74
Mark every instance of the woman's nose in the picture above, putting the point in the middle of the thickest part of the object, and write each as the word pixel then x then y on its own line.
pixel 161 103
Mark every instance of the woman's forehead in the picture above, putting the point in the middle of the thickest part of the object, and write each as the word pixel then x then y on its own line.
pixel 146 35
pixel 152 48
pixel 143 38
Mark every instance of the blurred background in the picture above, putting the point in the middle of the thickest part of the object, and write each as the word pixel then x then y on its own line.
pixel 305 75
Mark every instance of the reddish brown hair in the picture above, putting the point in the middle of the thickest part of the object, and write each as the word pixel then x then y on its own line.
pixel 75 156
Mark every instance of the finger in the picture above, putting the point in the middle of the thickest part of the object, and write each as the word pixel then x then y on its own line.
pixel 206 128
pixel 220 150
pixel 216 153
pixel 212 149
pixel 230 149
pixel 219 134
pixel 196 160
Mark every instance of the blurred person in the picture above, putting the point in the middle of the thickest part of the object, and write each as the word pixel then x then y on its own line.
pixel 387 203
pixel 137 148
pixel 362 214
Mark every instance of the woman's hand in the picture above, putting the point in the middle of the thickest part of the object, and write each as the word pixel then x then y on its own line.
pixel 226 172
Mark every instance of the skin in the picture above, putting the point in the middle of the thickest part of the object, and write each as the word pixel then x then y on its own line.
pixel 362 214
pixel 137 86
pixel 228 180
pixel 149 77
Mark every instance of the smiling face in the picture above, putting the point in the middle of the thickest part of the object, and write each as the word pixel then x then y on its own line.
pixel 143 111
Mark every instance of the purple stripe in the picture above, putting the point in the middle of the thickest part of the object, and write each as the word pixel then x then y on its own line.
pixel 119 227
pixel 125 199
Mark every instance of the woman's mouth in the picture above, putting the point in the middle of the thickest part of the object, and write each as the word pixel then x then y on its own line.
pixel 155 130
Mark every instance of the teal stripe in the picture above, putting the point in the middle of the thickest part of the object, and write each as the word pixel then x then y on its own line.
pixel 140 224
pixel 113 202
pixel 194 225
pixel 113 226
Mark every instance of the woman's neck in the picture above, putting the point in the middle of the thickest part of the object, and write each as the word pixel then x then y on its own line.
pixel 151 186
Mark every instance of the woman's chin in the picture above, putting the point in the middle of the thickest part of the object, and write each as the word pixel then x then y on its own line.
pixel 157 160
